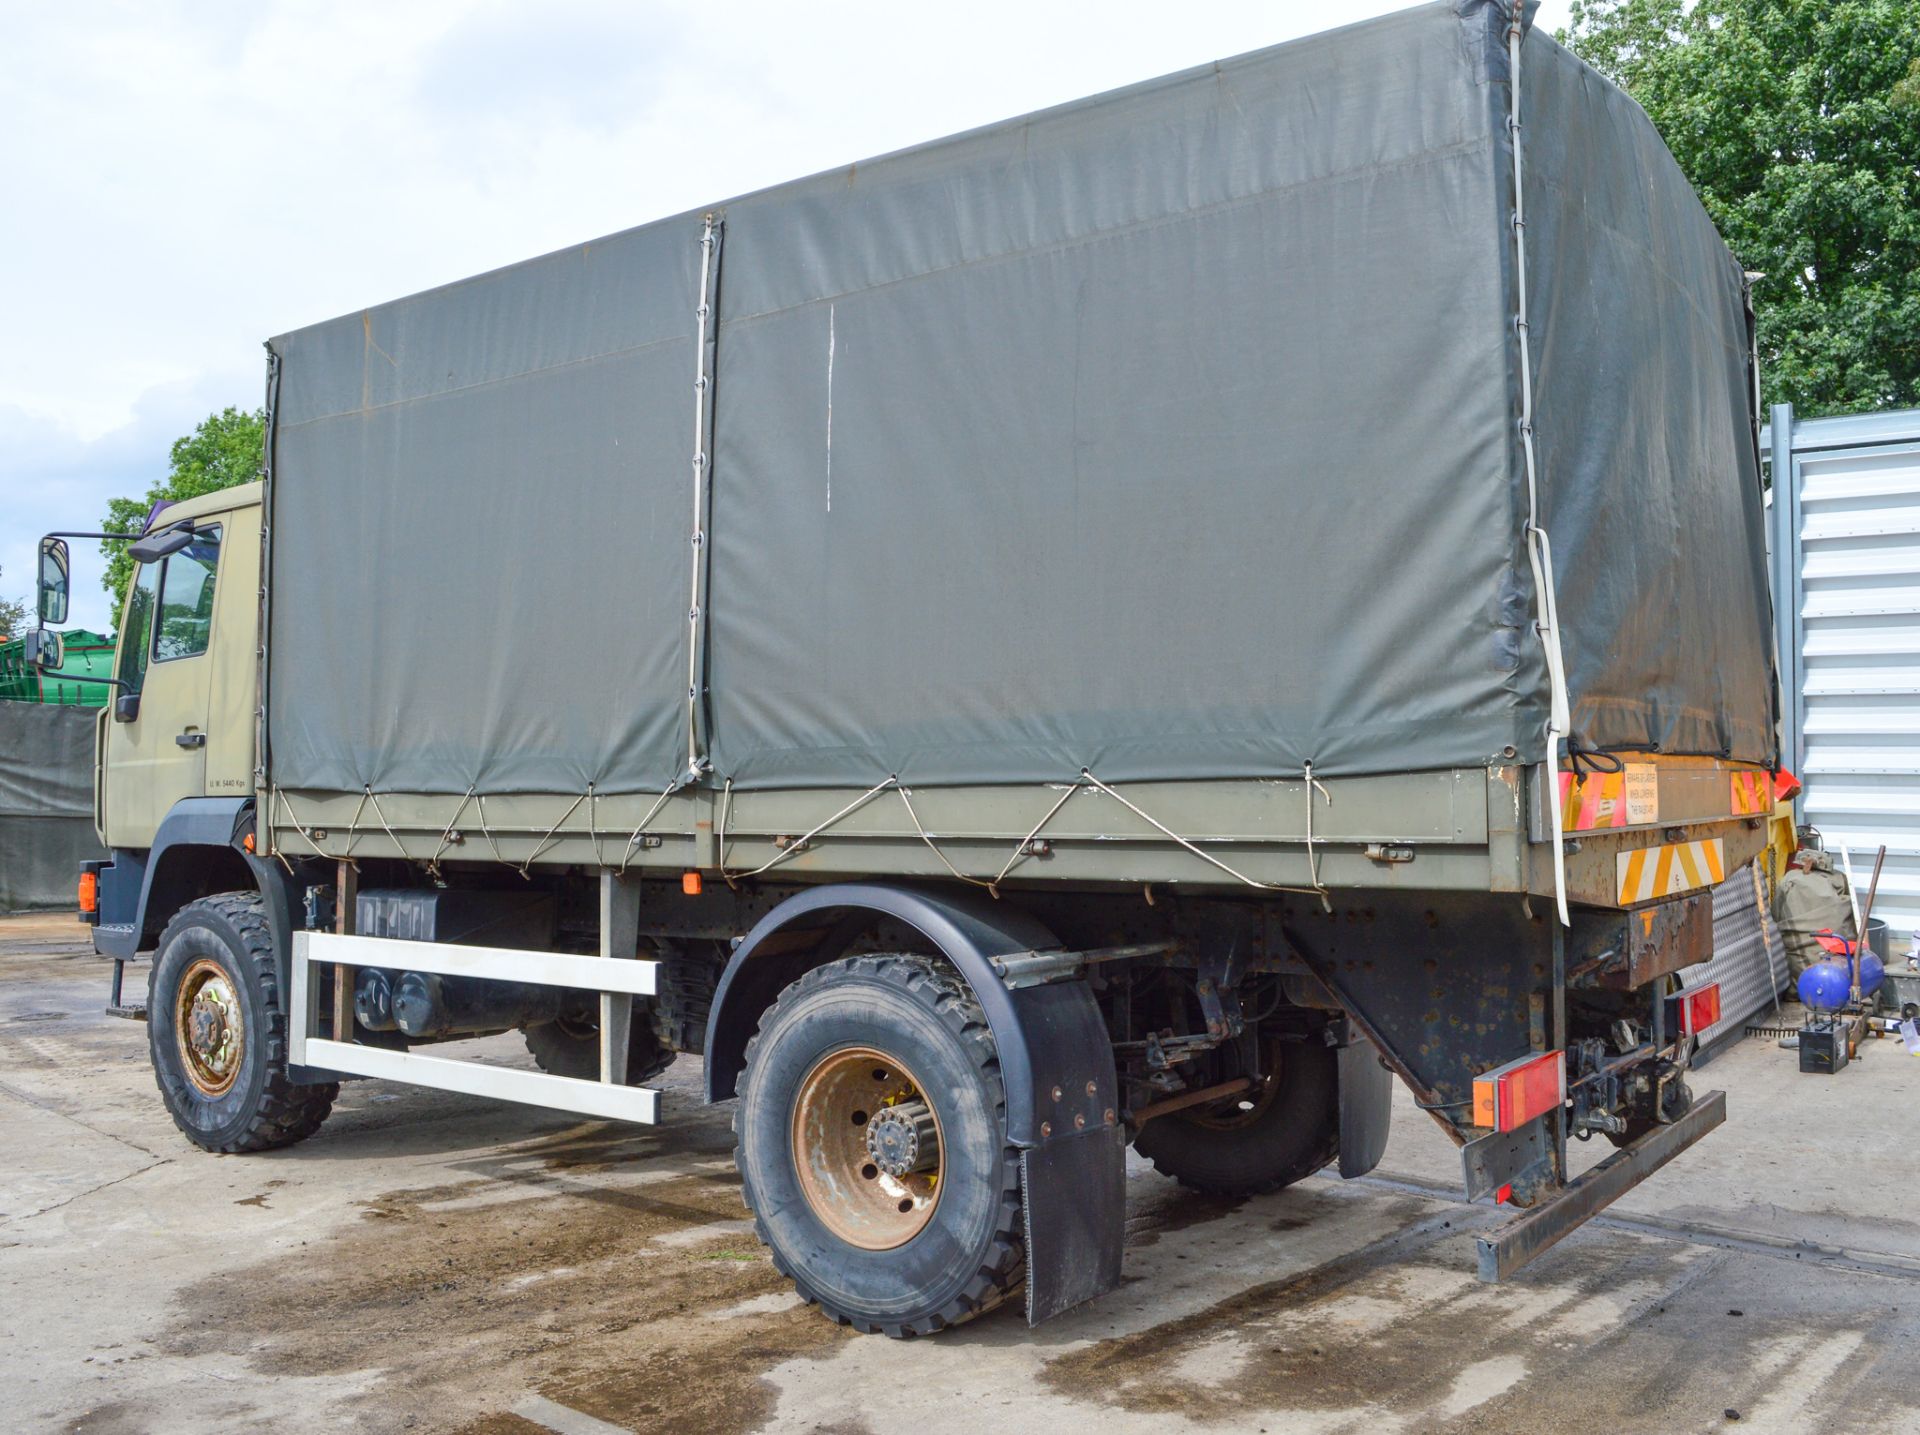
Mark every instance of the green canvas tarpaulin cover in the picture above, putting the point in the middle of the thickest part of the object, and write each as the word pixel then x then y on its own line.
pixel 1173 434
pixel 46 803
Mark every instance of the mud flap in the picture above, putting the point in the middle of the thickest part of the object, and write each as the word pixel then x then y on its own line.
pixel 1366 1107
pixel 1074 1191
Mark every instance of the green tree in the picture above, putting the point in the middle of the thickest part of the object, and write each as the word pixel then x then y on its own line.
pixel 227 448
pixel 1798 122
pixel 13 617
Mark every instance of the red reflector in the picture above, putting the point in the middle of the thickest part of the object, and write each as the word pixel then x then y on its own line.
pixel 1700 1009
pixel 1514 1094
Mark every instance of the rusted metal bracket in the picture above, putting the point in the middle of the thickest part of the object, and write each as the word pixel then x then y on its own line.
pixel 1032 969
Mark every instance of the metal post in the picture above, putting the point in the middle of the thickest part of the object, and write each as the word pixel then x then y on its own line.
pixel 346 902
pixel 1787 571
pixel 706 332
pixel 619 939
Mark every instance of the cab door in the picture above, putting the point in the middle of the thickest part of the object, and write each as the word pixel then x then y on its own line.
pixel 156 749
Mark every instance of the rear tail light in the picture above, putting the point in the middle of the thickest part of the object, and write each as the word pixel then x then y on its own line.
pixel 89 894
pixel 1514 1094
pixel 1697 1009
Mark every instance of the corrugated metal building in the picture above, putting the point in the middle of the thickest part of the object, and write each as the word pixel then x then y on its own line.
pixel 1846 556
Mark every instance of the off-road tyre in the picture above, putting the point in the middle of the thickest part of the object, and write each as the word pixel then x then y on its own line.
pixel 263 1108
pixel 1292 1131
pixel 970 1255
pixel 572 1048
pixel 684 981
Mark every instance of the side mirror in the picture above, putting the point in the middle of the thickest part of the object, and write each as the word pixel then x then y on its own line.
pixel 126 707
pixel 54 567
pixel 41 648
pixel 155 546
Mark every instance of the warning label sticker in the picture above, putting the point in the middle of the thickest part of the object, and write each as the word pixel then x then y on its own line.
pixel 1642 793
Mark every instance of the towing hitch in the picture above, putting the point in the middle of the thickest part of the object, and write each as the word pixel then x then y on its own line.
pixel 1544 1226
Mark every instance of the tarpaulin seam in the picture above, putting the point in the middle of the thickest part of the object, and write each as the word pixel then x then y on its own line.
pixel 1466 148
pixel 515 377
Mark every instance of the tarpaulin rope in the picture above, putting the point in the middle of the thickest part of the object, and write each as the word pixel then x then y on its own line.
pixel 446 834
pixel 1313 784
pixel 353 822
pixel 799 843
pixel 1539 547
pixel 398 844
pixel 640 827
pixel 546 841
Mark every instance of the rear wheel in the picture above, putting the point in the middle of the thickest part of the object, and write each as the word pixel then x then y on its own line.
pixel 1261 1140
pixel 872 1145
pixel 217 1031
pixel 570 1046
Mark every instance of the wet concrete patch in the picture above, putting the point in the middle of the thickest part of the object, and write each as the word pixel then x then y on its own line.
pixel 589 1296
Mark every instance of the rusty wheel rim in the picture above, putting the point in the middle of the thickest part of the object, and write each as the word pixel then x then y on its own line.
pixel 209 1028
pixel 866 1146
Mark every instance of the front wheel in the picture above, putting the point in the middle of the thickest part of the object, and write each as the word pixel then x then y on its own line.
pixel 872 1145
pixel 217 1031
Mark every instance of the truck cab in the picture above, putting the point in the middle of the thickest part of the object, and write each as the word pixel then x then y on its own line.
pixel 174 750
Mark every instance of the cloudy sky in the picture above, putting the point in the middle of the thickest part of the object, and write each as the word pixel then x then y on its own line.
pixel 180 179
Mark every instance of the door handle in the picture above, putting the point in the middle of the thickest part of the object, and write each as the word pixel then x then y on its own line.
pixel 191 739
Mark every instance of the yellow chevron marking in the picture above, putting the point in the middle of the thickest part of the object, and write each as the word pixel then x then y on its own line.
pixel 1675 867
pixel 1631 865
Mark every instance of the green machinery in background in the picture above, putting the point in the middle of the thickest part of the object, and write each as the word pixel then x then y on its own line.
pixel 88 655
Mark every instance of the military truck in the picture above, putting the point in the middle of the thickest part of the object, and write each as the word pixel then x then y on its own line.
pixel 1138 624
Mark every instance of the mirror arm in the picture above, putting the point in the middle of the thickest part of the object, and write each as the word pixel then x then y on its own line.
pixel 88 678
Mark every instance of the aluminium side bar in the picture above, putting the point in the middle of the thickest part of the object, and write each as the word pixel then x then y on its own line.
pixel 562 969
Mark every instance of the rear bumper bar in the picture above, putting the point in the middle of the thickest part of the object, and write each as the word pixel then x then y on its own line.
pixel 1526 1236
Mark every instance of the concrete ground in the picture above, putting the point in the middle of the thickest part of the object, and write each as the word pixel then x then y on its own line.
pixel 433 1262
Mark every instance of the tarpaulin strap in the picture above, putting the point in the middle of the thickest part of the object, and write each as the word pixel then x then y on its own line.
pixel 1539 548
pixel 1314 891
pixel 1313 860
pixel 640 827
pixel 391 837
pixel 446 833
pixel 799 843
pixel 546 841
pixel 593 833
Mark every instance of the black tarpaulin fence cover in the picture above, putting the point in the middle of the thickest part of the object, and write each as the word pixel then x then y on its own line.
pixel 1170 434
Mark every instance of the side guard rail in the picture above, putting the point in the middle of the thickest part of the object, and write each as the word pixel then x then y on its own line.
pixel 607 1099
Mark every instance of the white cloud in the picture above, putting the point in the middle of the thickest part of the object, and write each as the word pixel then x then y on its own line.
pixel 182 180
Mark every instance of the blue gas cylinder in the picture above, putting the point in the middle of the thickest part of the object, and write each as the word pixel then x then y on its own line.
pixel 1824 986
